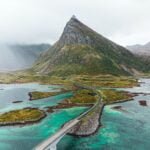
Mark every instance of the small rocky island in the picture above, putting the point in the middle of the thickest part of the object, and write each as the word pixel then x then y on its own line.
pixel 143 102
pixel 35 95
pixel 17 101
pixel 22 117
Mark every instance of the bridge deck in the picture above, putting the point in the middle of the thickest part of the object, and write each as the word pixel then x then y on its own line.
pixel 68 126
pixel 45 144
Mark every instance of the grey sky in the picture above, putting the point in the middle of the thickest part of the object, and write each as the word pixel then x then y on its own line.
pixel 32 21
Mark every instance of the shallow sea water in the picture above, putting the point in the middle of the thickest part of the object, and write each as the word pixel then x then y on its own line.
pixel 121 130
pixel 27 137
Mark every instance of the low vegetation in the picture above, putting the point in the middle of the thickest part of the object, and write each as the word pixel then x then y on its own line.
pixel 107 81
pixel 111 96
pixel 82 96
pixel 22 116
pixel 90 80
pixel 39 95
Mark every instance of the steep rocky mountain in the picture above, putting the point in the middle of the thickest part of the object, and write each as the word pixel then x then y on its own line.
pixel 81 50
pixel 138 49
pixel 15 57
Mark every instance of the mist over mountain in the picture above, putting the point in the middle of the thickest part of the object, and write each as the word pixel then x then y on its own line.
pixel 81 50
pixel 16 57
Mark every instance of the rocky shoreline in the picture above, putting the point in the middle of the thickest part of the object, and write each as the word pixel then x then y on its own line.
pixel 90 127
pixel 91 122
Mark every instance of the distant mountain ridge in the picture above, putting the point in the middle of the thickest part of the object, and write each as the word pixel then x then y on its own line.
pixel 81 50
pixel 140 49
pixel 16 57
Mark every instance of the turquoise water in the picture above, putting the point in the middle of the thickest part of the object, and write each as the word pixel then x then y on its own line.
pixel 26 137
pixel 14 92
pixel 121 130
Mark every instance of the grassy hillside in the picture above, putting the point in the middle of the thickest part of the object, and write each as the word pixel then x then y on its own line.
pixel 80 50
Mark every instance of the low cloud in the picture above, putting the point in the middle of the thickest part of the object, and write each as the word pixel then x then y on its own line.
pixel 32 21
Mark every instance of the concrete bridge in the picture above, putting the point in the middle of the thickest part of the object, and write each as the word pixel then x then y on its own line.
pixel 51 142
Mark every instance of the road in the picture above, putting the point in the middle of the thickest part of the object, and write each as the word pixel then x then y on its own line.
pixel 45 144
pixel 68 126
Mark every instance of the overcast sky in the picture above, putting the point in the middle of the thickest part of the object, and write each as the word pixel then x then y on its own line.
pixel 126 22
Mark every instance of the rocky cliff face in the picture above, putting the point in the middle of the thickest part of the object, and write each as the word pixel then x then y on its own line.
pixel 75 33
pixel 81 50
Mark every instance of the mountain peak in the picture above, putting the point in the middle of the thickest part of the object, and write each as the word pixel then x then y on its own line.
pixel 73 17
pixel 75 32
pixel 81 50
pixel 72 20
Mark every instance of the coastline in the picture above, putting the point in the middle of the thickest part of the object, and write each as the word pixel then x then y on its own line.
pixel 89 122
pixel 98 126
pixel 94 129
pixel 93 122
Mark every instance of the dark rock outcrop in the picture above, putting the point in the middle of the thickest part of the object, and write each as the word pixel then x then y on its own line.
pixel 89 124
pixel 17 101
pixel 143 102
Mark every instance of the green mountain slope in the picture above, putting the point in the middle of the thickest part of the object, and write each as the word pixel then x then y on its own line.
pixel 80 50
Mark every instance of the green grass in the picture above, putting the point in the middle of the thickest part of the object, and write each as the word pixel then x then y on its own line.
pixel 39 95
pixel 110 96
pixel 83 96
pixel 106 81
pixel 27 114
pixel 85 79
